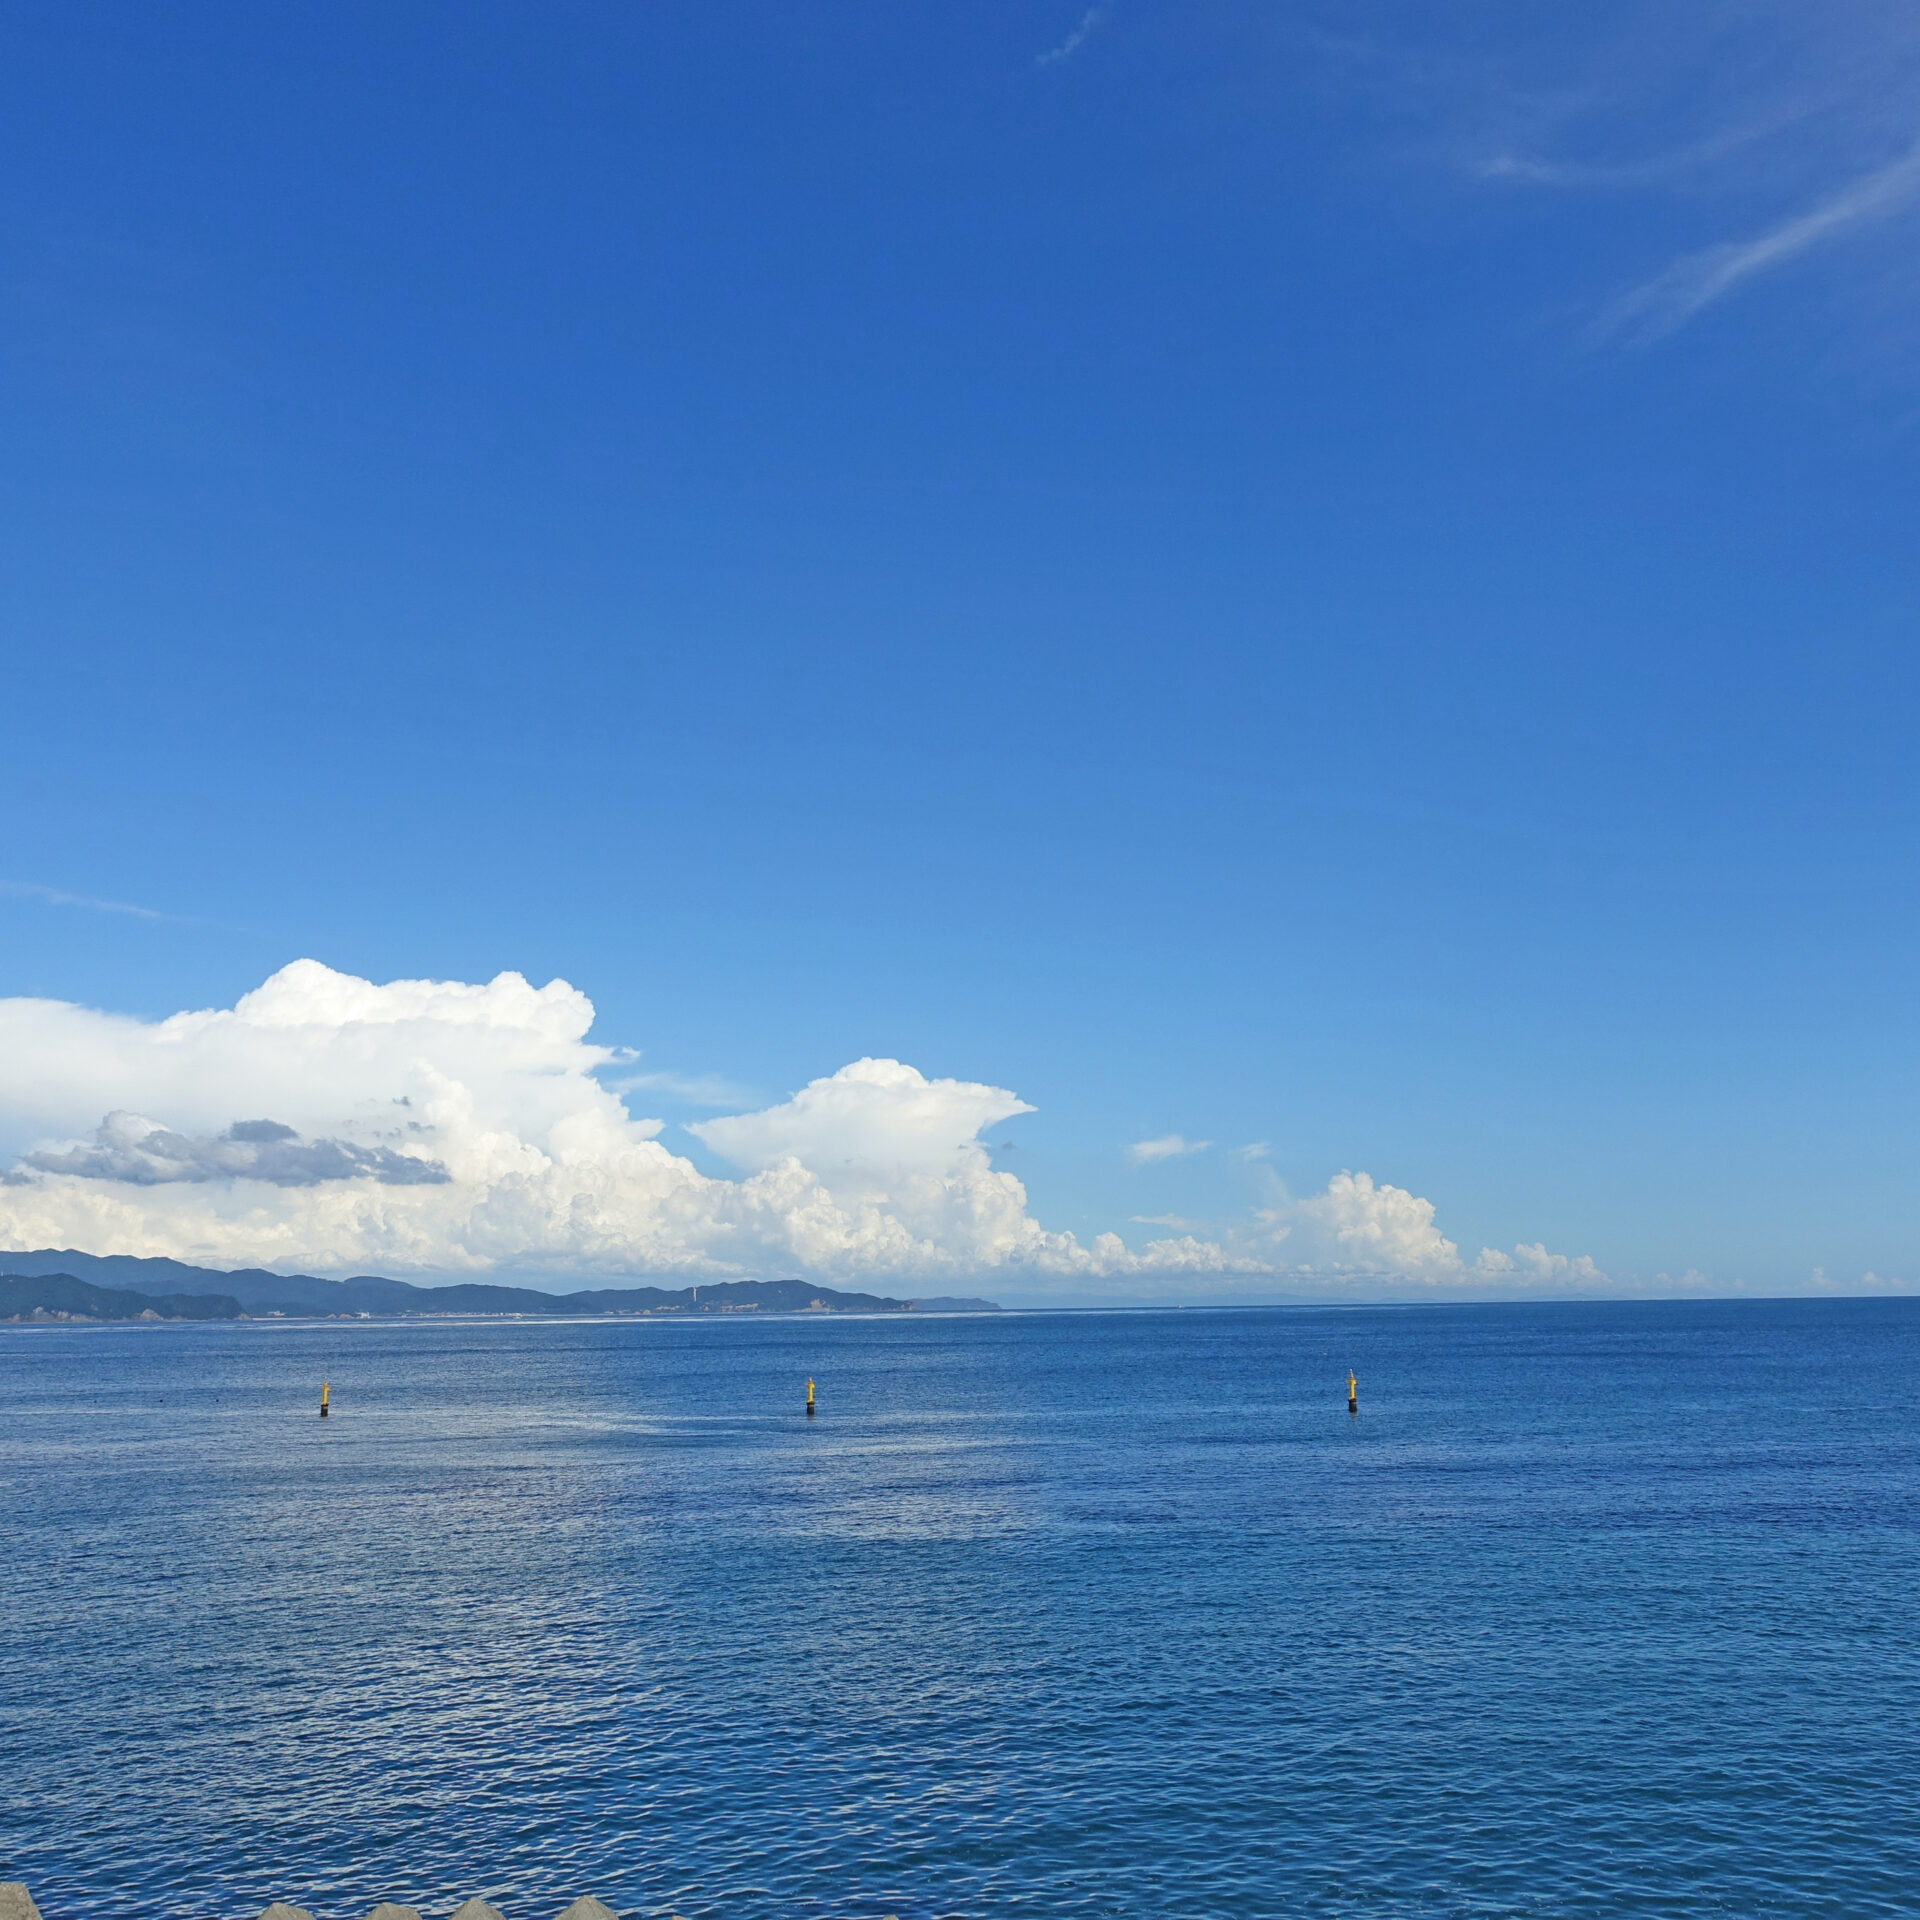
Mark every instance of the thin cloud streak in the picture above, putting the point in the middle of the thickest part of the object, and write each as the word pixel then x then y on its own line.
pixel 55 897
pixel 1075 40
pixel 1529 170
pixel 1170 1146
pixel 1667 302
pixel 696 1089
pixel 1802 117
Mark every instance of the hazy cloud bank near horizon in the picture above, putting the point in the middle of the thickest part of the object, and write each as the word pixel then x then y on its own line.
pixel 438 1126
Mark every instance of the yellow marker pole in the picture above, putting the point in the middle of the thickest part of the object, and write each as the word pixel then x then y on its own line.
pixel 809 1399
pixel 323 1399
pixel 1353 1392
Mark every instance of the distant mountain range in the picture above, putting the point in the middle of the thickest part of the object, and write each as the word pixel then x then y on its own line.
pixel 169 1288
pixel 61 1296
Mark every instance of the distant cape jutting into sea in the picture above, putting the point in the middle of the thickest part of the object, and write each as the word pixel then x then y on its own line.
pixel 91 1286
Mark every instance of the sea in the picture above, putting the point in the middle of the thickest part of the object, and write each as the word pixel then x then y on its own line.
pixel 1589 1609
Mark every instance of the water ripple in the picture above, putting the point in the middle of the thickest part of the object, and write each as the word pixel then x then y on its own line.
pixel 1592 1610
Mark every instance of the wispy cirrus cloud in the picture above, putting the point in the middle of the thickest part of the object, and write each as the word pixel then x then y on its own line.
pixel 1075 40
pixel 59 897
pixel 1694 282
pixel 696 1089
pixel 1752 134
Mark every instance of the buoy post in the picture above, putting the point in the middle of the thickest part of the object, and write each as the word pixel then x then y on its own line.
pixel 324 1389
pixel 1353 1392
pixel 809 1399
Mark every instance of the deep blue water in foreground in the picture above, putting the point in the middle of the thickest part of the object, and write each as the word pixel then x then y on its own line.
pixel 1592 1610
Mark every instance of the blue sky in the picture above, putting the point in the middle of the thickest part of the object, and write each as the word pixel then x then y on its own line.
pixel 1321 578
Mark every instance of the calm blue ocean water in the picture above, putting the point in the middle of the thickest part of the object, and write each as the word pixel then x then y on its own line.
pixel 1592 1610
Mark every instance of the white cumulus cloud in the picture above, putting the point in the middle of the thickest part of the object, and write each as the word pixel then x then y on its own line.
pixel 326 1122
pixel 866 1124
pixel 1360 1225
pixel 1383 1228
